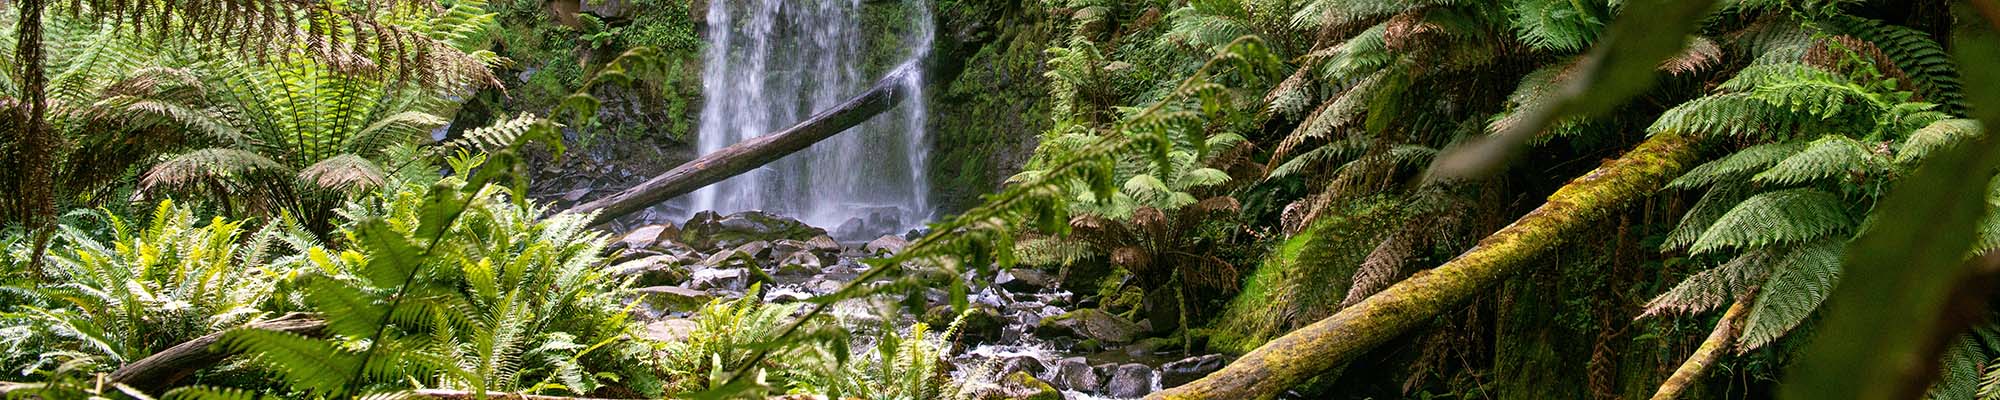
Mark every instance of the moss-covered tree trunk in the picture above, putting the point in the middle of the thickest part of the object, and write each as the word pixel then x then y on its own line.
pixel 1711 349
pixel 1333 341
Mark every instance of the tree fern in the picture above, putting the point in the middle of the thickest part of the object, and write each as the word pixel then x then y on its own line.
pixel 1800 279
pixel 1785 216
pixel 1557 25
pixel 1823 160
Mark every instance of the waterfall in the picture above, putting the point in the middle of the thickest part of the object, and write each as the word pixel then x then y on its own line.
pixel 772 63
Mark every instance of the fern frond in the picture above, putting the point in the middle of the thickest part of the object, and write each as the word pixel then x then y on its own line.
pixel 1739 165
pixel 343 173
pixel 1799 281
pixel 1934 137
pixel 1785 216
pixel 1556 25
pixel 1720 198
pixel 186 169
pixel 1829 157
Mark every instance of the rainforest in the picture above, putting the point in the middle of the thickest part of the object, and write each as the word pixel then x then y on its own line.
pixel 999 199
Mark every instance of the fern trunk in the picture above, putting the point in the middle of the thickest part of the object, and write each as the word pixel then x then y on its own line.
pixel 1704 356
pixel 1302 354
pixel 34 149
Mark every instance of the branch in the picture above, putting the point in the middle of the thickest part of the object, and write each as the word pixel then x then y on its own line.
pixel 158 372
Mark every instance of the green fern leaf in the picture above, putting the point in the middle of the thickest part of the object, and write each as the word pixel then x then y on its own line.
pixel 1785 216
pixel 1799 281
pixel 1829 157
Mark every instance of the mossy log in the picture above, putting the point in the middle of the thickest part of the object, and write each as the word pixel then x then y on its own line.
pixel 1336 340
pixel 160 371
pixel 1711 349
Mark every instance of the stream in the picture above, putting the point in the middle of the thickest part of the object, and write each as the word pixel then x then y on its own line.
pixel 1022 319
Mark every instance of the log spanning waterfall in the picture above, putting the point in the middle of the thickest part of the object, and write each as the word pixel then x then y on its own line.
pixel 773 63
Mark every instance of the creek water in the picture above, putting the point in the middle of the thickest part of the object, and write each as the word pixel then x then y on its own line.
pixel 773 63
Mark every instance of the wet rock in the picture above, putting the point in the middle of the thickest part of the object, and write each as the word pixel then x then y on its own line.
pixel 631 255
pixel 731 279
pixel 1023 280
pixel 800 257
pixel 794 272
pixel 981 323
pixel 673 298
pixel 1028 364
pixel 646 236
pixel 878 221
pixel 757 249
pixel 1076 374
pixel 1090 324
pixel 710 231
pixel 1023 386
pixel 1187 370
pixel 1130 380
pixel 656 270
pixel 886 245
pixel 823 244
pixel 730 259
pixel 670 330
pixel 782 247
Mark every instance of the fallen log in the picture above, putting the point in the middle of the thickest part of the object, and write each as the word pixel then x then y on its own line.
pixel 1338 339
pixel 750 154
pixel 158 372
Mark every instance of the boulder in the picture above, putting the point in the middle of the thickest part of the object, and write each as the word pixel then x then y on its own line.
pixel 757 249
pixel 982 323
pixel 710 231
pixel 823 245
pixel 656 270
pixel 1028 364
pixel 670 330
pixel 878 221
pixel 886 245
pixel 673 298
pixel 1023 280
pixel 1187 370
pixel 1023 386
pixel 1130 381
pixel 646 236
pixel 1089 324
pixel 730 259
pixel 731 279
pixel 1075 373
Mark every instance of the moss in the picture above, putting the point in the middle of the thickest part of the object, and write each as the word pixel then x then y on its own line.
pixel 1303 279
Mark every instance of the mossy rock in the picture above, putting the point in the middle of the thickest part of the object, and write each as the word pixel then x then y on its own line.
pixel 1022 386
pixel 709 231
pixel 1092 325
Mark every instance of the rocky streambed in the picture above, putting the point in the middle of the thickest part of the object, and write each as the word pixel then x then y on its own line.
pixel 1026 333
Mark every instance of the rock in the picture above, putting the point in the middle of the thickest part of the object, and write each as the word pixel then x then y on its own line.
pixel 732 279
pixel 673 298
pixel 630 255
pixel 670 330
pixel 782 247
pixel 656 270
pixel 1028 364
pixel 1023 280
pixel 1089 324
pixel 757 249
pixel 823 244
pixel 1023 386
pixel 730 259
pixel 886 245
pixel 796 272
pixel 1076 374
pixel 982 324
pixel 646 236
pixel 1187 370
pixel 1130 381
pixel 878 221
pixel 709 231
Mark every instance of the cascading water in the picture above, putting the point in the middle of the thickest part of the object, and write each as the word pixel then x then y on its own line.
pixel 772 63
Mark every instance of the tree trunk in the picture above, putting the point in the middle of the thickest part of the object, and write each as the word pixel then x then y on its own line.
pixel 1333 341
pixel 750 154
pixel 158 372
pixel 1697 364
pixel 35 149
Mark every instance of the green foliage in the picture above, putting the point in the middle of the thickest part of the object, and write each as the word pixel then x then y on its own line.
pixel 146 288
